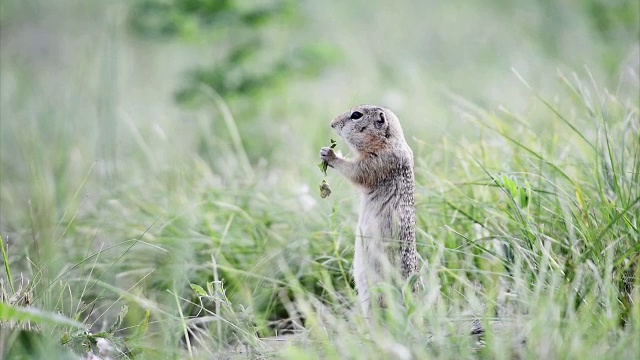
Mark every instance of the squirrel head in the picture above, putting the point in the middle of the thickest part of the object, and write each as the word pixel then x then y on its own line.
pixel 369 129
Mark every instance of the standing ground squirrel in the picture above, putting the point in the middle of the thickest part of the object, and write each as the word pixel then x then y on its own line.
pixel 385 249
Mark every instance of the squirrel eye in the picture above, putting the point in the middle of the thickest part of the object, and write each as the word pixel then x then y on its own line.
pixel 356 115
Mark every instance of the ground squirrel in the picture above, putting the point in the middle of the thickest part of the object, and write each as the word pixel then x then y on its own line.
pixel 385 249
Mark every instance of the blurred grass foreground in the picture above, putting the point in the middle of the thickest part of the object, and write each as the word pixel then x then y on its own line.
pixel 159 194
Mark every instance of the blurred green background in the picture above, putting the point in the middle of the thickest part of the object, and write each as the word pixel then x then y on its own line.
pixel 139 140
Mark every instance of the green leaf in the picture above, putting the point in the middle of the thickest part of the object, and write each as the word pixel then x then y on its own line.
pixel 510 186
pixel 144 324
pixel 323 166
pixel 198 289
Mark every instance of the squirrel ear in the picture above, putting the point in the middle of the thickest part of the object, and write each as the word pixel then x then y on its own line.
pixel 380 121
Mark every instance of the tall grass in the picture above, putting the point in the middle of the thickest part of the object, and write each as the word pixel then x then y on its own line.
pixel 174 234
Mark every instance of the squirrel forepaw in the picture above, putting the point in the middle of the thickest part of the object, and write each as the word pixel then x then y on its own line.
pixel 327 154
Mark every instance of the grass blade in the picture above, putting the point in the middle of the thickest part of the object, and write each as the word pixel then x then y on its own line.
pixel 11 313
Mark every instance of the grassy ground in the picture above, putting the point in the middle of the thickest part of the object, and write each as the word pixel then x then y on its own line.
pixel 200 233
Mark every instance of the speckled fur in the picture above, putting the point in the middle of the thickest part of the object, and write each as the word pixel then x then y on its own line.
pixel 385 249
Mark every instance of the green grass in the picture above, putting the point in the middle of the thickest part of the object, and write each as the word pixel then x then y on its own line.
pixel 201 233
